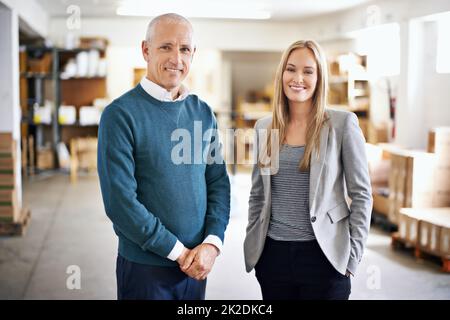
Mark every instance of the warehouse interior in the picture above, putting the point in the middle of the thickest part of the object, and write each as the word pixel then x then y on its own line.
pixel 63 62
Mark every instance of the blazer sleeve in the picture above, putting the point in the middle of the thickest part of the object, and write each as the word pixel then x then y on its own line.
pixel 357 180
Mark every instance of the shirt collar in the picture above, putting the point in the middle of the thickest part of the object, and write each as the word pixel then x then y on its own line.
pixel 160 93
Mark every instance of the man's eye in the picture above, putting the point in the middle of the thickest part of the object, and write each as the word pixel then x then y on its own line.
pixel 164 47
pixel 186 50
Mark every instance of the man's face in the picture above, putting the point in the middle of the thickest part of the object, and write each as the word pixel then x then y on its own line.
pixel 169 54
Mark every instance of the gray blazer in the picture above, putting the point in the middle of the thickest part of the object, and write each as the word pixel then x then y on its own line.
pixel 341 169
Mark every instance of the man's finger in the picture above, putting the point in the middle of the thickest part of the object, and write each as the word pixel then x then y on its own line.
pixel 188 261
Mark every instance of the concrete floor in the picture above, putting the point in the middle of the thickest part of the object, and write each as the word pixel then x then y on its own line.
pixel 69 227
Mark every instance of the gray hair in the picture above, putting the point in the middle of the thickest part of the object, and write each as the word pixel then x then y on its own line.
pixel 168 17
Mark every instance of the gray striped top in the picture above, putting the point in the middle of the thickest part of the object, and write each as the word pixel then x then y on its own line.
pixel 290 219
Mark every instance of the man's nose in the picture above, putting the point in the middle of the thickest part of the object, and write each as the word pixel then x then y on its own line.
pixel 175 56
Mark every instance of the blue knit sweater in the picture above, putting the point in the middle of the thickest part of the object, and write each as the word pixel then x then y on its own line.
pixel 151 200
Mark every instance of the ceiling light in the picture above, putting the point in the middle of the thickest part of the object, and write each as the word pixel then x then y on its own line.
pixel 196 9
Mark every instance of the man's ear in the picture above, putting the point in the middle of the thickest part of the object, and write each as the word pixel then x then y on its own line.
pixel 144 47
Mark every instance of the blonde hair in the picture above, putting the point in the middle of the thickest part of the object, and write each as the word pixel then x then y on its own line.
pixel 280 106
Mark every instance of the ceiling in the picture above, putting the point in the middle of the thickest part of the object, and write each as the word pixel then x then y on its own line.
pixel 281 10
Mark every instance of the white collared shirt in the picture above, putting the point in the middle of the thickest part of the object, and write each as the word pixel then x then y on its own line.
pixel 162 94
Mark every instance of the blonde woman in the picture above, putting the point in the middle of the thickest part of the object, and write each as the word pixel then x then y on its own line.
pixel 303 239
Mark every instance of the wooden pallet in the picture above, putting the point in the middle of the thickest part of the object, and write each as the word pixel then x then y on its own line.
pixel 16 228
pixel 420 254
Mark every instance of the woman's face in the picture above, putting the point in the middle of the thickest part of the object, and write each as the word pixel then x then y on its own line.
pixel 300 75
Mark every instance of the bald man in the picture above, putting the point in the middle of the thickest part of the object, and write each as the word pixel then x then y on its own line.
pixel 170 217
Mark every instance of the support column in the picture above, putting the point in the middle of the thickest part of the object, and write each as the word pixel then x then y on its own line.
pixel 10 113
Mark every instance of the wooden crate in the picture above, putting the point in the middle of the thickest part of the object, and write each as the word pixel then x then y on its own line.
pixel 439 141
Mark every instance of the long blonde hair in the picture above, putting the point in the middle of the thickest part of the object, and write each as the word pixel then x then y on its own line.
pixel 280 106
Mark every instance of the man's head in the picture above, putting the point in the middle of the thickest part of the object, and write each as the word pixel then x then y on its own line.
pixel 168 50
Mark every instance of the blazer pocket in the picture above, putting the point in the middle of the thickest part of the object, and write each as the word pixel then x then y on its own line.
pixel 339 212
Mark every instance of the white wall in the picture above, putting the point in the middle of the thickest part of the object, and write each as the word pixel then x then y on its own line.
pixel 31 14
pixel 422 94
pixel 334 31
pixel 211 37
pixel 435 86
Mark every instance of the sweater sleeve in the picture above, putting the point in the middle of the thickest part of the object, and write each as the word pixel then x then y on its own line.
pixel 116 167
pixel 218 190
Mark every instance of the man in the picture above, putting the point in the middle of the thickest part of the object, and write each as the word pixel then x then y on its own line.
pixel 170 218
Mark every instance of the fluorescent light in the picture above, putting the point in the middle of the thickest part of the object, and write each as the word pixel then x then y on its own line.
pixel 196 9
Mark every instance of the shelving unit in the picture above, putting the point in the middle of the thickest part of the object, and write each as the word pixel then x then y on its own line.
pixel 41 80
pixel 349 87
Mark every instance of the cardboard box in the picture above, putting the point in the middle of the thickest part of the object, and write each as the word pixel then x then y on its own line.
pixel 439 141
pixel 426 227
pixel 408 225
pixel 45 159
pixel 444 242
pixel 7 181
pixel 40 65
pixel 6 164
pixel 397 185
pixel 429 235
pixel 5 140
pixel 377 133
pixel 9 209
pixel 419 179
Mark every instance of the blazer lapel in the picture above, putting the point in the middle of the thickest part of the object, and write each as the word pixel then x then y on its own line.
pixel 316 167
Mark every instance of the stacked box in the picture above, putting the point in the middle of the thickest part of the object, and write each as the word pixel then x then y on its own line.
pixel 444 242
pixel 397 185
pixel 419 191
pixel 414 182
pixel 408 224
pixel 432 231
pixel 427 229
pixel 9 209
pixel 439 144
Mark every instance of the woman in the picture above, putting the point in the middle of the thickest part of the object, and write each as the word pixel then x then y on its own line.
pixel 302 238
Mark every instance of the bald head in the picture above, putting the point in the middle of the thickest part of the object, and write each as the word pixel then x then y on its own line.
pixel 168 18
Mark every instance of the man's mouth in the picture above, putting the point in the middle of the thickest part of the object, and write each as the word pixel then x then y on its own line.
pixel 172 70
